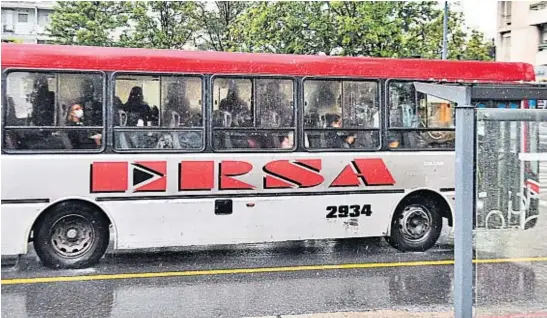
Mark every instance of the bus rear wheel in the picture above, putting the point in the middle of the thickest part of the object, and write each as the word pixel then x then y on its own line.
pixel 71 235
pixel 416 225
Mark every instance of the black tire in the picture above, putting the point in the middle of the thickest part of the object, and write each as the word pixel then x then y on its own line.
pixel 426 211
pixel 69 250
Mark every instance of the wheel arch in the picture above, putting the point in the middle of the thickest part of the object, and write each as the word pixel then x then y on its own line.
pixel 428 194
pixel 77 200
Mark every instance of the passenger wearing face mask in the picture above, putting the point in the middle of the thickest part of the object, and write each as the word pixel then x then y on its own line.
pixel 81 139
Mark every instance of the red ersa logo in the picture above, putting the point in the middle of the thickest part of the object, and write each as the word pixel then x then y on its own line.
pixel 151 176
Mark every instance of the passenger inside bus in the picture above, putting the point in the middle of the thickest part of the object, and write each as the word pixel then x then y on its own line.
pixel 332 136
pixel 286 141
pixel 92 106
pixel 137 110
pixel 274 107
pixel 346 140
pixel 81 139
pixel 232 103
pixel 176 110
pixel 43 103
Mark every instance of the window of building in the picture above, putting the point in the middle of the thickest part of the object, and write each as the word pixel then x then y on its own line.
pixel 341 114
pixel 22 17
pixel 417 120
pixel 506 8
pixel 53 111
pixel 253 114
pixel 543 37
pixel 158 112
pixel 506 46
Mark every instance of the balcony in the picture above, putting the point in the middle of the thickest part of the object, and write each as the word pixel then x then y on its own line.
pixel 538 15
pixel 7 28
pixel 538 5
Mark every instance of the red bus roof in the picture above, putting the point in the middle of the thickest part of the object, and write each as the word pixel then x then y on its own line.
pixel 155 60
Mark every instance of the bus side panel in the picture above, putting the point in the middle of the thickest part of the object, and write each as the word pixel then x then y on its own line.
pixel 17 220
pixel 146 224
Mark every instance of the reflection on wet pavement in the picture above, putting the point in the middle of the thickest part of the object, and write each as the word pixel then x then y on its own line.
pixel 416 288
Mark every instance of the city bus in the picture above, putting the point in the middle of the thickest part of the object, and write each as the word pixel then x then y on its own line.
pixel 161 148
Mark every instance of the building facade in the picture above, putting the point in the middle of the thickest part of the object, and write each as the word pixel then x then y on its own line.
pixel 522 32
pixel 26 21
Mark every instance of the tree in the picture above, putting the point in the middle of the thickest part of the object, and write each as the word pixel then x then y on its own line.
pixel 478 49
pixel 212 23
pixel 158 24
pixel 86 22
pixel 358 28
pixel 377 29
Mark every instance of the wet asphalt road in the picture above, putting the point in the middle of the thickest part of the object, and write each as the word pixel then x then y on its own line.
pixel 415 288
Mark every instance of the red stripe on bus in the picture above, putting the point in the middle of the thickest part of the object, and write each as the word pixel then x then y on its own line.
pixel 109 177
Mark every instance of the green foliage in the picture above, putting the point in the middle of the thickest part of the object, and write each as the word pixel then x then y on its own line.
pixel 86 22
pixel 377 29
pixel 158 24
pixel 211 24
pixel 353 28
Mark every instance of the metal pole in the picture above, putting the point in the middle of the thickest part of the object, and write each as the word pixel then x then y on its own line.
pixel 445 31
pixel 465 205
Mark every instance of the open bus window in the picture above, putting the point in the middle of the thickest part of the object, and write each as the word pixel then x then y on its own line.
pixel 255 113
pixel 53 111
pixel 158 112
pixel 417 120
pixel 341 114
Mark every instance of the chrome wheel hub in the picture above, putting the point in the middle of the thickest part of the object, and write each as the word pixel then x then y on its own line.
pixel 415 222
pixel 72 236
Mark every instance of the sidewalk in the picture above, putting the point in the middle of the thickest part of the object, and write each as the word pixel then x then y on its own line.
pixel 404 314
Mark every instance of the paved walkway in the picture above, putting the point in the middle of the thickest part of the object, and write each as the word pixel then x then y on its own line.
pixel 406 314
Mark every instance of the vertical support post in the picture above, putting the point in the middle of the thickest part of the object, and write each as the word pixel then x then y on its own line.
pixel 445 31
pixel 464 208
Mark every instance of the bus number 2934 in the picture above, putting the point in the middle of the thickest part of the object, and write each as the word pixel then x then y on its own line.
pixel 344 211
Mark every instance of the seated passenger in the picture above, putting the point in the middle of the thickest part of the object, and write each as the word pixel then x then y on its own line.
pixel 346 140
pixel 333 120
pixel 232 103
pixel 286 141
pixel 138 111
pixel 81 139
pixel 91 105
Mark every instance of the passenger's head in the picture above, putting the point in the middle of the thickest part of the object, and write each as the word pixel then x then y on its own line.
pixel 333 120
pixel 87 88
pixel 136 95
pixel 41 82
pixel 76 113
pixel 232 90
pixel 350 137
pixel 286 141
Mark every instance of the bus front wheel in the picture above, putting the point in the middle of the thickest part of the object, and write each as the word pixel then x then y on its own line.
pixel 416 225
pixel 71 235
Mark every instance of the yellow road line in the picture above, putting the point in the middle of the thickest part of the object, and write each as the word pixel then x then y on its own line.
pixel 35 280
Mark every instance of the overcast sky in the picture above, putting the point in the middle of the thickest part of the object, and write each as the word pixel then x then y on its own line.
pixel 479 14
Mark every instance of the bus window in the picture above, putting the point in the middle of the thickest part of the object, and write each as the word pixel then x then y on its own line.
pixel 158 112
pixel 417 120
pixel 253 113
pixel 341 114
pixel 53 111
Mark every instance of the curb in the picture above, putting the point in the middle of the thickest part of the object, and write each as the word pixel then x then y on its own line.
pixel 405 314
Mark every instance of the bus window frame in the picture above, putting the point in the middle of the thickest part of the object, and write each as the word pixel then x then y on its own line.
pixel 105 138
pixel 381 117
pixel 253 77
pixel 114 129
pixel 389 129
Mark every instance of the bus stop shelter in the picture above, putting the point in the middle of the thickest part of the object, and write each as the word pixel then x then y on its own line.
pixel 468 112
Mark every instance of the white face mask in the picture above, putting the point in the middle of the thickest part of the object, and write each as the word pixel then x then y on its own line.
pixel 79 113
